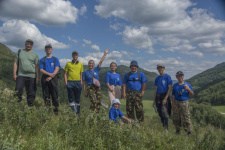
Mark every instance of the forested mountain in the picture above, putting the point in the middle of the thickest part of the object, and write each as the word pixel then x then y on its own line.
pixel 209 86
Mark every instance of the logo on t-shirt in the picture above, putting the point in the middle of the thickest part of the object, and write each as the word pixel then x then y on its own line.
pixel 94 73
pixel 183 90
pixel 52 64
pixel 118 79
pixel 163 81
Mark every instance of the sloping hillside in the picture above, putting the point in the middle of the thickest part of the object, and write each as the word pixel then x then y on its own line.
pixel 209 85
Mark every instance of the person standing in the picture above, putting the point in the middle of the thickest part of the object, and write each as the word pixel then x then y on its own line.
pixel 180 104
pixel 92 85
pixel 49 67
pixel 163 84
pixel 27 65
pixel 73 81
pixel 113 82
pixel 134 85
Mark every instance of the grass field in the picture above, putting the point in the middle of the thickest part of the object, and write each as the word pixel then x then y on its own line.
pixel 219 108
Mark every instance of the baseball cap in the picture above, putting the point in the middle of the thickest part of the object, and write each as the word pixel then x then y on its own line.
pixel 75 52
pixel 30 41
pixel 48 46
pixel 116 101
pixel 160 65
pixel 133 63
pixel 179 73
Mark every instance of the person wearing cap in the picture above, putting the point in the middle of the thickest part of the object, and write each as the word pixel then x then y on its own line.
pixel 49 67
pixel 92 85
pixel 73 80
pixel 26 72
pixel 180 104
pixel 163 87
pixel 113 82
pixel 134 85
pixel 115 113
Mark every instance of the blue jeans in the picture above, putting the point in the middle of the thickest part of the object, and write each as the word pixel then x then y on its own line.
pixel 74 91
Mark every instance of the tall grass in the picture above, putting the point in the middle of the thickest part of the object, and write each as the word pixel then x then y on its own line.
pixel 22 127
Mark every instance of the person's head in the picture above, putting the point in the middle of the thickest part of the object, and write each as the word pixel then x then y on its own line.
pixel 116 103
pixel 133 66
pixel 161 68
pixel 48 49
pixel 91 64
pixel 29 44
pixel 113 66
pixel 75 55
pixel 180 76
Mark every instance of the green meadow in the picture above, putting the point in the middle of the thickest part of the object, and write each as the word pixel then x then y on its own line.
pixel 220 109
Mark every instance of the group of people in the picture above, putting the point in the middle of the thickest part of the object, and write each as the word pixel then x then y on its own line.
pixel 26 73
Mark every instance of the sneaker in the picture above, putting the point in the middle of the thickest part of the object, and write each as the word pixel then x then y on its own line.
pixel 167 131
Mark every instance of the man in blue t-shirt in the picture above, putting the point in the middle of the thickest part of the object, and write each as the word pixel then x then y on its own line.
pixel 49 66
pixel 163 84
pixel 134 85
pixel 180 105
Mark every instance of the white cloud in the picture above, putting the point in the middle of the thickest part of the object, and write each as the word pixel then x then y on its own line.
pixel 167 23
pixel 87 41
pixel 125 62
pixel 73 40
pixel 173 65
pixel 83 10
pixel 47 12
pixel 15 32
pixel 95 47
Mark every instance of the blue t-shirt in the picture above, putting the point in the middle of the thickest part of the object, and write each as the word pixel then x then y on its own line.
pixel 162 83
pixel 87 75
pixel 134 85
pixel 180 89
pixel 115 114
pixel 49 64
pixel 113 79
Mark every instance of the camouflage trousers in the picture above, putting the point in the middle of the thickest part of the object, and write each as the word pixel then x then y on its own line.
pixel 94 93
pixel 181 115
pixel 134 100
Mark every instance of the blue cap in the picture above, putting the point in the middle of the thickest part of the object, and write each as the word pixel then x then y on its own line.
pixel 116 101
pixel 133 63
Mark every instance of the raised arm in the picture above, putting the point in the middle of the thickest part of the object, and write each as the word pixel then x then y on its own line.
pixel 103 58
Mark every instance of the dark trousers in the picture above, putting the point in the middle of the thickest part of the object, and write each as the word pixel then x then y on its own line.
pixel 50 89
pixel 74 91
pixel 163 110
pixel 30 85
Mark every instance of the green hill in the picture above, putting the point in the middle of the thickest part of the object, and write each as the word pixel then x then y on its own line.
pixel 6 66
pixel 209 85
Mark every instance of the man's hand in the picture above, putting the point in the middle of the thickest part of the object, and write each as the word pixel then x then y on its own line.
pixel 85 94
pixel 48 79
pixel 52 75
pixel 186 87
pixel 14 77
pixel 113 92
pixel 164 101
pixel 124 96
pixel 142 93
pixel 106 51
pixel 37 80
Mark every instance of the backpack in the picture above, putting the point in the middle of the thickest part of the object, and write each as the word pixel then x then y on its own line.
pixel 133 79
pixel 58 73
pixel 18 61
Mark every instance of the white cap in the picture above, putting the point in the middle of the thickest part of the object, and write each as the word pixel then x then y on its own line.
pixel 116 101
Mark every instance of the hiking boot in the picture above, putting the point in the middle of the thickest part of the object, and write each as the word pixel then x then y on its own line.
pixel 189 134
pixel 56 110
pixel 177 132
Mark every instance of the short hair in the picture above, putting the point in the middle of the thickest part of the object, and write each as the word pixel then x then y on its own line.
pixel 112 63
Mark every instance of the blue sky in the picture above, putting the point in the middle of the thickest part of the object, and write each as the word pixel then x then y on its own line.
pixel 187 35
